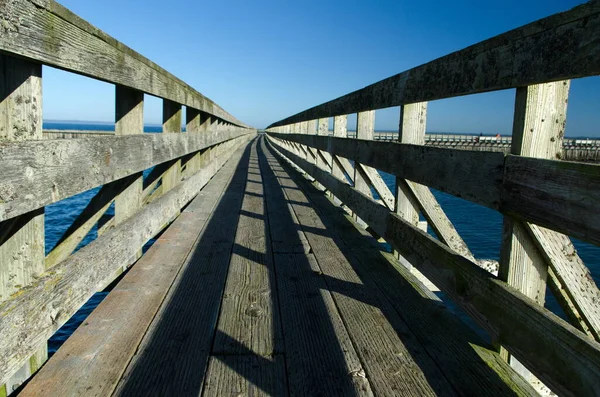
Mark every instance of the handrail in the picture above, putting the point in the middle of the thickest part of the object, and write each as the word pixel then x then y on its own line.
pixel 46 32
pixel 555 48
pixel 539 195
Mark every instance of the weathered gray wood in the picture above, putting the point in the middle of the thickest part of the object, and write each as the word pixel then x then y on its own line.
pixel 21 238
pixel 535 336
pixel 534 191
pixel 437 219
pixel 413 121
pixel 34 315
pixel 92 360
pixel 376 181
pixel 246 375
pixel 574 277
pixel 396 363
pixel 86 220
pixel 38 173
pixel 171 124
pixel 468 364
pixel 173 355
pixel 249 317
pixel 475 176
pixel 558 47
pixel 528 189
pixel 129 120
pixel 45 31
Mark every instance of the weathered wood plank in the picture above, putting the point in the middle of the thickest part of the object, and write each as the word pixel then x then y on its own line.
pixel 320 357
pixel 535 336
pixel 249 317
pixel 173 355
pixel 86 220
pixel 38 173
pixel 528 189
pixel 558 47
pixel 467 362
pixel 21 238
pixel 246 375
pixel 395 362
pixel 92 360
pixel 47 32
pixel 474 176
pixel 34 315
pixel 573 275
pixel 534 191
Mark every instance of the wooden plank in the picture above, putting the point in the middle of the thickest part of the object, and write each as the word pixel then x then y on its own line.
pixel 466 361
pixel 551 49
pixel 94 357
pixel 171 124
pixel 86 220
pixel 49 33
pixel 246 376
pixel 574 278
pixel 374 179
pixel 22 238
pixel 173 355
pixel 527 189
pixel 535 336
pixel 249 317
pixel 534 191
pixel 413 121
pixel 29 319
pixel 38 173
pixel 474 176
pixel 395 362
pixel 320 357
pixel 129 120
pixel 437 219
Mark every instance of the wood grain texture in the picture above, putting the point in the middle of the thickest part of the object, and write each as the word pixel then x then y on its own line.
pixel 47 32
pixel 558 47
pixel 573 275
pixel 91 361
pixel 38 173
pixel 249 317
pixel 173 355
pixel 474 176
pixel 468 363
pixel 413 122
pixel 34 315
pixel 246 376
pixel 22 242
pixel 535 336
pixel 394 360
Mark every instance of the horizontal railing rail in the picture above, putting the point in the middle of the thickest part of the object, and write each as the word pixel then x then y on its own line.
pixel 543 199
pixel 146 177
pixel 556 48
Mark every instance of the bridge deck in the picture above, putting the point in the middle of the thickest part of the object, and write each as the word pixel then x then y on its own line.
pixel 263 286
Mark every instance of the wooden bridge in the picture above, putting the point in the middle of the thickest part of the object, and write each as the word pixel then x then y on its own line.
pixel 268 276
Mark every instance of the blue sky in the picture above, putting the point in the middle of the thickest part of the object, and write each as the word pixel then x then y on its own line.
pixel 265 60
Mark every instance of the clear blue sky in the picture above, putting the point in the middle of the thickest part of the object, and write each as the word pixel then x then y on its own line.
pixel 265 60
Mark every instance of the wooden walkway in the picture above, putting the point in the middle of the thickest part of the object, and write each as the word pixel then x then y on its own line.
pixel 262 286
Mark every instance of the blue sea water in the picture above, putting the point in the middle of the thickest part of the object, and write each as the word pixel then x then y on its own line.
pixel 480 227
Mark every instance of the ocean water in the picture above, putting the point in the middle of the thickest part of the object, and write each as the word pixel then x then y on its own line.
pixel 480 227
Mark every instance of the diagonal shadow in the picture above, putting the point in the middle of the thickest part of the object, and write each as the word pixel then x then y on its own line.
pixel 172 358
pixel 447 341
pixel 317 363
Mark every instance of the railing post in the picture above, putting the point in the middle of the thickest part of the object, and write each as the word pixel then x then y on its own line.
pixel 129 120
pixel 21 238
pixel 538 129
pixel 411 130
pixel 340 130
pixel 365 127
pixel 171 124
pixel 323 157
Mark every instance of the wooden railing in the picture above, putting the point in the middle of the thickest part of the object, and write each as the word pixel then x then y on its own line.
pixel 38 292
pixel 542 199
